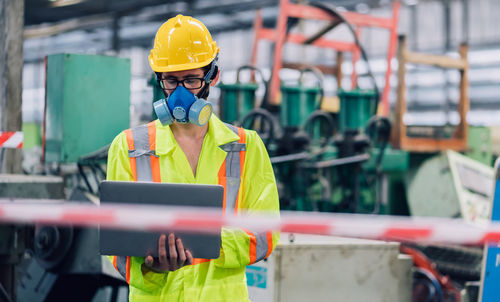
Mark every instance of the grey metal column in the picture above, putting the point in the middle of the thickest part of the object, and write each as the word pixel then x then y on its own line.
pixel 11 68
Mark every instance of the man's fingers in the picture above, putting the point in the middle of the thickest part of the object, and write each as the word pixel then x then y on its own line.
pixel 189 257
pixel 180 251
pixel 177 255
pixel 154 264
pixel 149 261
pixel 162 251
pixel 171 248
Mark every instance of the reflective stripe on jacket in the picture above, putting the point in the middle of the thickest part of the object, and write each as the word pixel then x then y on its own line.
pixel 230 156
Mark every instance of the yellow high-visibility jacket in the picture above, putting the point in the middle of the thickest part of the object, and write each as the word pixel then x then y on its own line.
pixel 221 279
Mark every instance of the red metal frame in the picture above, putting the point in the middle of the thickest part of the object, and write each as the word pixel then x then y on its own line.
pixel 288 9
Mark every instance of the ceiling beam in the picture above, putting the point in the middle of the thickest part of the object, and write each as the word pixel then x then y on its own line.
pixel 107 19
pixel 147 41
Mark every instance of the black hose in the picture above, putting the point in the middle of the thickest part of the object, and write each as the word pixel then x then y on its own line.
pixel 319 76
pixel 266 83
pixel 316 115
pixel 249 67
pixel 321 32
pixel 379 128
pixel 382 126
pixel 265 116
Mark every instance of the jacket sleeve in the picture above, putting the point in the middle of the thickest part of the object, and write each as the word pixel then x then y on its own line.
pixel 131 268
pixel 258 194
pixel 118 167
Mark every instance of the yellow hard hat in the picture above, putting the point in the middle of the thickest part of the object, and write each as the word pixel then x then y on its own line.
pixel 182 43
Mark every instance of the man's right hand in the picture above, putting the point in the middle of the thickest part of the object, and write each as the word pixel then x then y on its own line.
pixel 177 256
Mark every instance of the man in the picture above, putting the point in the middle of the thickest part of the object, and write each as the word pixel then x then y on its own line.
pixel 187 144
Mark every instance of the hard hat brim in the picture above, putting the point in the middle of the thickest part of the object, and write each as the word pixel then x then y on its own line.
pixel 179 67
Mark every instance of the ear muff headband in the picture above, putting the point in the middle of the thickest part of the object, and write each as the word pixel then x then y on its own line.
pixel 212 73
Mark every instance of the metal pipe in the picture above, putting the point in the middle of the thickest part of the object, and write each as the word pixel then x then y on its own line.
pixel 337 161
pixel 290 157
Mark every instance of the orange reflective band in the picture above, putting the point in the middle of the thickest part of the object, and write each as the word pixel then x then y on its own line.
pixel 223 182
pixel 252 249
pixel 243 139
pixel 114 263
pixel 155 161
pixel 269 235
pixel 200 260
pixel 241 134
pixel 127 274
pixel 130 142
pixel 130 139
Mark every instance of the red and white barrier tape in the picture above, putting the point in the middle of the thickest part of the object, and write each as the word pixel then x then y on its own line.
pixel 162 218
pixel 11 139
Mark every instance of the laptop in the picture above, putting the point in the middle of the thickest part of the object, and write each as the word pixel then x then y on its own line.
pixel 142 243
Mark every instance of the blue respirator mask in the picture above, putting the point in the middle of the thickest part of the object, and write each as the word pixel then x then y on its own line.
pixel 184 107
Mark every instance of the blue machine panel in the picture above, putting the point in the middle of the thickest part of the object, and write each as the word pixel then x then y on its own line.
pixel 490 290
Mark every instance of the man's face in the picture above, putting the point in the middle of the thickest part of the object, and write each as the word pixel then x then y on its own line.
pixel 191 79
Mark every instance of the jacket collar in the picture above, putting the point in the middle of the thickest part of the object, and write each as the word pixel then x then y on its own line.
pixel 217 132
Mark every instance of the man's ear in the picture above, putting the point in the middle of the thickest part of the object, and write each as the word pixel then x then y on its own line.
pixel 216 79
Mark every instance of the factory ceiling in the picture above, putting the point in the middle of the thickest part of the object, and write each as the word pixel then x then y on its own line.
pixel 130 23
pixel 53 11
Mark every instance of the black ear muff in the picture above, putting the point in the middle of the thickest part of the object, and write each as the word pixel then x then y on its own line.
pixel 214 74
pixel 158 76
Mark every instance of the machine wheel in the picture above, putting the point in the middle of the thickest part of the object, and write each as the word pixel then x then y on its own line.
pixel 51 245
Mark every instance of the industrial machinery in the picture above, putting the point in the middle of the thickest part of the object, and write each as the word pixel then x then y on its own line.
pixel 64 262
pixel 291 12
pixel 356 161
pixel 15 239
pixel 323 161
pixel 320 164
pixel 351 160
pixel 87 105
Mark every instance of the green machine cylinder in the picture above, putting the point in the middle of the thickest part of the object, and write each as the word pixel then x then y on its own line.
pixel 239 98
pixel 299 101
pixel 356 108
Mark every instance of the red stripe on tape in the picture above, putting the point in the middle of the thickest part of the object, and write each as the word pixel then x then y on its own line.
pixel 78 217
pixel 4 136
pixel 407 233
pixel 307 228
pixel 20 146
pixel 491 237
pixel 198 223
